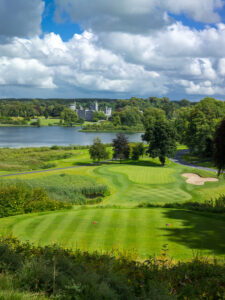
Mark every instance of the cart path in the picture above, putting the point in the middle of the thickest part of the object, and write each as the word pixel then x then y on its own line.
pixel 178 159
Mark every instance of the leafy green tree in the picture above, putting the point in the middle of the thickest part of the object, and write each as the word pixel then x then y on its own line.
pixel 181 124
pixel 137 151
pixel 151 115
pixel 162 140
pixel 69 116
pixel 199 133
pixel 116 119
pixel 121 149
pixel 219 148
pixel 99 115
pixel 98 151
pixel 130 116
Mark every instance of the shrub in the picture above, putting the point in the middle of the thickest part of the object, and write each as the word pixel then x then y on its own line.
pixel 48 166
pixel 19 198
pixel 67 274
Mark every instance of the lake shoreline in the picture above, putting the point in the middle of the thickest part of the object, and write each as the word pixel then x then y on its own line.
pixel 33 136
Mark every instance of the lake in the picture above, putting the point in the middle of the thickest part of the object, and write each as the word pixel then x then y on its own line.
pixel 17 137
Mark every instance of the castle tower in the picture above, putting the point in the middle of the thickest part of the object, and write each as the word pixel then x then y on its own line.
pixel 73 106
pixel 94 106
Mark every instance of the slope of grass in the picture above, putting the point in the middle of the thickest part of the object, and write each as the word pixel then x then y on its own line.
pixel 143 230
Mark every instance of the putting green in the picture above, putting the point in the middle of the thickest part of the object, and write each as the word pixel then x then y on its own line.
pixel 146 174
pixel 144 230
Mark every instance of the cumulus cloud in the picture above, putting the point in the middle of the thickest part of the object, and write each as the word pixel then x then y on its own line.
pixel 136 16
pixel 78 63
pixel 121 54
pixel 17 71
pixel 153 64
pixel 20 17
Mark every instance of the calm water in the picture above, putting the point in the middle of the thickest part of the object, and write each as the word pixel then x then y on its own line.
pixel 16 137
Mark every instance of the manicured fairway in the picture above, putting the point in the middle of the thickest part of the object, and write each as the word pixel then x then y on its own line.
pixel 120 224
pixel 144 230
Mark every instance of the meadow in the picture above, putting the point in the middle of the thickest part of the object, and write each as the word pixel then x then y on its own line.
pixel 118 222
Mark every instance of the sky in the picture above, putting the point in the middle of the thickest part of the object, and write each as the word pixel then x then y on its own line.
pixel 112 49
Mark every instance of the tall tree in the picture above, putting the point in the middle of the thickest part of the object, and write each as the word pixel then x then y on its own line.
pixel 219 148
pixel 98 151
pixel 121 149
pixel 137 151
pixel 162 140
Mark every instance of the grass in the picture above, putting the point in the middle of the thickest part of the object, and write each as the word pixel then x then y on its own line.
pixel 8 292
pixel 192 158
pixel 120 224
pixel 144 230
pixel 28 159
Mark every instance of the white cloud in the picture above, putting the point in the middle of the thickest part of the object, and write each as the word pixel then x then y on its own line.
pixel 175 57
pixel 136 16
pixel 17 71
pixel 20 17
pixel 202 88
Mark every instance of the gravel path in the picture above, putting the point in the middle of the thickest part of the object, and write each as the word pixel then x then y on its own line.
pixel 178 159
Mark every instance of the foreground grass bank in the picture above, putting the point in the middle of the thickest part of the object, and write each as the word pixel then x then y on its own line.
pixel 65 274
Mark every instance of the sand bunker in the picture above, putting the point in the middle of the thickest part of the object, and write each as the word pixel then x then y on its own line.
pixel 196 179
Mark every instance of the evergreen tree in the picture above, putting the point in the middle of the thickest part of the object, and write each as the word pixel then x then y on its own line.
pixel 121 149
pixel 98 151
pixel 219 148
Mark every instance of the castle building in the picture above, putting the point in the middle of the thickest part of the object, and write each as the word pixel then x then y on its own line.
pixel 88 114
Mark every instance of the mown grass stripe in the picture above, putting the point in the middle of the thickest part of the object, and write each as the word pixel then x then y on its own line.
pixel 119 224
pixel 79 236
pixel 50 234
pixel 95 230
pixel 28 229
pixel 132 227
pixel 147 239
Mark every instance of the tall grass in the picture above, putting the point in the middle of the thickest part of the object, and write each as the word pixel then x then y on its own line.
pixel 74 189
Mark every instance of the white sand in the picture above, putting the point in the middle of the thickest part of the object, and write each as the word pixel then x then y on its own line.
pixel 196 179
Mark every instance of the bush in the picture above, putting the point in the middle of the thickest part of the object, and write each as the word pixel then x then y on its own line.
pixel 48 166
pixel 67 274
pixel 19 199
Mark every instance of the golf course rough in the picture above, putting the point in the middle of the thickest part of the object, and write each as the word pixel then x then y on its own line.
pixel 118 223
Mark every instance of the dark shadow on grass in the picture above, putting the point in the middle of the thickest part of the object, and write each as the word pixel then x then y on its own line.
pixel 200 232
pixel 143 163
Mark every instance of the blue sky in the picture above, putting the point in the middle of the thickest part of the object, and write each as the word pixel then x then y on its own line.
pixel 113 49
pixel 66 29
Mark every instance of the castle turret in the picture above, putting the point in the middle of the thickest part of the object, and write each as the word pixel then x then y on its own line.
pixel 73 106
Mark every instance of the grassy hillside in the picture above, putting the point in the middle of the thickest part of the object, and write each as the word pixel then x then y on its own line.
pixel 119 223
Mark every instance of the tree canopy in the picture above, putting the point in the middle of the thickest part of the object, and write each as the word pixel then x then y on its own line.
pixel 121 149
pixel 98 151
pixel 219 148
pixel 162 140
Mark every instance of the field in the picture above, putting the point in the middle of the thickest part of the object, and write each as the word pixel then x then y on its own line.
pixel 143 230
pixel 117 222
